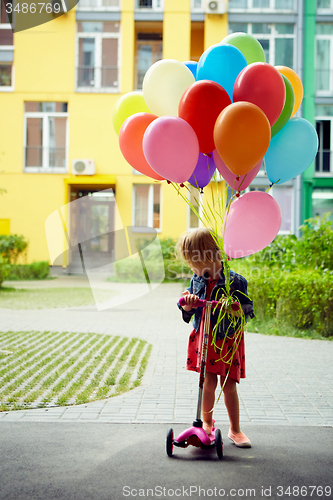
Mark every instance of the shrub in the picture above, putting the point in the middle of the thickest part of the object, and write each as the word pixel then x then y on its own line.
pixel 12 246
pixel 303 299
pixel 36 270
pixel 4 270
pixel 130 269
pixel 311 250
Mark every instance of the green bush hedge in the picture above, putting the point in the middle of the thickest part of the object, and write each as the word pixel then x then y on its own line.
pixel 12 246
pixel 35 271
pixel 4 270
pixel 303 299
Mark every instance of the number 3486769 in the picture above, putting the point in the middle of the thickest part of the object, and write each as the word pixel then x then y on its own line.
pixel 32 8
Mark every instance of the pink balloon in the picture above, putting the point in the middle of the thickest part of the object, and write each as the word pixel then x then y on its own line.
pixel 171 148
pixel 230 178
pixel 253 221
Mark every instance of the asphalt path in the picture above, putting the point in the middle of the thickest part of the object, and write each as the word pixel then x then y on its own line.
pixel 97 461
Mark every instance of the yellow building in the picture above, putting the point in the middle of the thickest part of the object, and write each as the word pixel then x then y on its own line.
pixel 59 82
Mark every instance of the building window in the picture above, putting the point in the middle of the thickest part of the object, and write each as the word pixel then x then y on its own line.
pixel 324 58
pixel 324 4
pixel 198 5
pixel 45 137
pixel 262 4
pixel 284 195
pixel 323 158
pixel 98 5
pixel 195 198
pixel 149 4
pixel 322 202
pixel 149 49
pixel 98 56
pixel 6 51
pixel 277 40
pixel 147 206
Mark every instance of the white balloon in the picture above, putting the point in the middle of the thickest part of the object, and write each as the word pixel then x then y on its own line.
pixel 164 84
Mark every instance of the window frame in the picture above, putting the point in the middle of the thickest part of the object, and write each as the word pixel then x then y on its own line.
pixel 150 218
pixel 329 91
pixel 45 115
pixel 90 8
pixel 189 210
pixel 272 37
pixel 3 48
pixel 154 7
pixel 321 173
pixel 98 60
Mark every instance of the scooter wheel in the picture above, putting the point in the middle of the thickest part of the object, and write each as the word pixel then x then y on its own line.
pixel 219 443
pixel 169 442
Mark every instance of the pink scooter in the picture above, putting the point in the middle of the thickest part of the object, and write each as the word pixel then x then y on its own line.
pixel 195 435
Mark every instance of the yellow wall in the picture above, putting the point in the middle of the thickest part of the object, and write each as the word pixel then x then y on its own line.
pixel 216 28
pixel 177 30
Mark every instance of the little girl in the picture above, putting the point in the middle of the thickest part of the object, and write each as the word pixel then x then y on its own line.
pixel 201 253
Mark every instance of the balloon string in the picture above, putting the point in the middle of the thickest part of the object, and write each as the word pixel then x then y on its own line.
pixel 271 185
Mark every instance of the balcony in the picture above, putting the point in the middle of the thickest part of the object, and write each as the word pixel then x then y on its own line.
pixel 97 78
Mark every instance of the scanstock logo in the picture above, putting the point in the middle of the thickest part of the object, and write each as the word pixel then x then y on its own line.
pixel 27 14
pixel 95 243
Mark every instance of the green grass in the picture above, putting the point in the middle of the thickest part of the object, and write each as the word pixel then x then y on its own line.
pixel 40 368
pixel 270 326
pixel 50 298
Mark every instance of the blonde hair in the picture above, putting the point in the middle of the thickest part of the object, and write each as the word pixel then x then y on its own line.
pixel 198 245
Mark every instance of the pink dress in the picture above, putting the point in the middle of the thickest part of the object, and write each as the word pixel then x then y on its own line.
pixel 214 363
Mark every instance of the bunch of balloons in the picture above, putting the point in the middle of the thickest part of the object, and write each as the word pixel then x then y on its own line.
pixel 231 111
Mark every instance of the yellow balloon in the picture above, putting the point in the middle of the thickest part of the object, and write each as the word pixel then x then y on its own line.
pixel 296 83
pixel 127 105
pixel 164 84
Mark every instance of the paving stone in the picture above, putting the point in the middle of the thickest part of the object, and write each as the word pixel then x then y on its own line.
pixel 276 390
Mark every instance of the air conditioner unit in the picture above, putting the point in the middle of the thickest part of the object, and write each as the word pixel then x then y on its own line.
pixel 83 167
pixel 215 6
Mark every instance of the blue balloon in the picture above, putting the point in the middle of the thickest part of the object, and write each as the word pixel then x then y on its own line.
pixel 203 171
pixel 192 66
pixel 291 151
pixel 221 63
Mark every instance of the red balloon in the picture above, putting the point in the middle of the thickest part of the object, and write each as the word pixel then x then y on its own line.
pixel 130 142
pixel 261 84
pixel 200 106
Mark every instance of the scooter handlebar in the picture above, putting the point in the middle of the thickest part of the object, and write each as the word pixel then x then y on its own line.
pixel 235 306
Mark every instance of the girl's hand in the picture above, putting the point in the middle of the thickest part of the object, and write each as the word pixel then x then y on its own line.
pixel 190 300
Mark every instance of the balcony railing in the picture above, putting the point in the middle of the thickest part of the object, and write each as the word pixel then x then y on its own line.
pixel 97 77
pixel 39 157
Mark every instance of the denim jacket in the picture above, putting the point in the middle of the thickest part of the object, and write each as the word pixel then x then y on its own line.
pixel 238 288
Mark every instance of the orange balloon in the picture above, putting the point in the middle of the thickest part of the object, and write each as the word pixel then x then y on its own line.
pixel 242 134
pixel 130 142
pixel 296 83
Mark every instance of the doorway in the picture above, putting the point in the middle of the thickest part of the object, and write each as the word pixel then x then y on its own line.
pixel 92 228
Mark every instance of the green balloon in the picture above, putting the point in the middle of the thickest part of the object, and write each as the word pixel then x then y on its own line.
pixel 248 45
pixel 287 108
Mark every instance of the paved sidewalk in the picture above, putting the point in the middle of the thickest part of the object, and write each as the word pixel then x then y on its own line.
pixel 289 381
